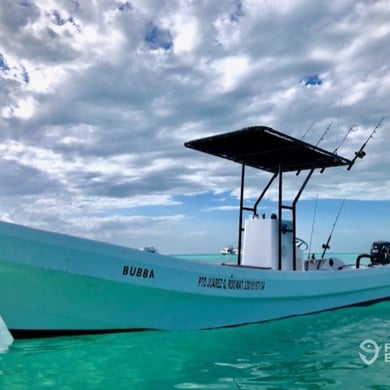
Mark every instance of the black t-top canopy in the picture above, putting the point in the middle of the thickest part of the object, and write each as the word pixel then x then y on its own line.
pixel 264 148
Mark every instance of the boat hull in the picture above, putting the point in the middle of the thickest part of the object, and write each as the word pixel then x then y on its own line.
pixel 53 284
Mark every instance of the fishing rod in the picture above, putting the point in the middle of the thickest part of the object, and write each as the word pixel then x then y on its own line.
pixel 307 130
pixel 325 132
pixel 361 153
pixel 326 246
pixel 302 138
pixel 353 128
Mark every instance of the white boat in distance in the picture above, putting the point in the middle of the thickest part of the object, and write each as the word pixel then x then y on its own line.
pixel 228 250
pixel 150 249
pixel 53 284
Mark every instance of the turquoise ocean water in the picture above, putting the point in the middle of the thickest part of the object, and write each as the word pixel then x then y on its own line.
pixel 319 351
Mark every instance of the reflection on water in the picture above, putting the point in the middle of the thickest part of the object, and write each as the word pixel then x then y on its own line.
pixel 317 351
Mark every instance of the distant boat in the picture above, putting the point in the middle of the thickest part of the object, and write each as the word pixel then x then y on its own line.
pixel 228 250
pixel 54 284
pixel 149 248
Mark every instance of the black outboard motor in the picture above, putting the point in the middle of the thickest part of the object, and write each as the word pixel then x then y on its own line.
pixel 380 252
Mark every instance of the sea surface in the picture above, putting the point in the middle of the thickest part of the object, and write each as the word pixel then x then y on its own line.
pixel 319 351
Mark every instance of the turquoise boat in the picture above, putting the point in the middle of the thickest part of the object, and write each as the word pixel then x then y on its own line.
pixel 53 284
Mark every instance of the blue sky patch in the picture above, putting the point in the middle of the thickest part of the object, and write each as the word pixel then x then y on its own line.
pixel 238 12
pixel 158 38
pixel 125 6
pixel 25 75
pixel 58 19
pixel 3 63
pixel 25 4
pixel 312 80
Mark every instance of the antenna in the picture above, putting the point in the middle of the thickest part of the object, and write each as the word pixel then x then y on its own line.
pixel 326 246
pixel 361 153
pixel 325 132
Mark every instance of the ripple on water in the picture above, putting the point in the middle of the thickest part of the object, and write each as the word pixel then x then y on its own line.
pixel 318 351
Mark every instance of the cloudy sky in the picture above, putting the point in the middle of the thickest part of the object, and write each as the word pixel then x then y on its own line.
pixel 98 97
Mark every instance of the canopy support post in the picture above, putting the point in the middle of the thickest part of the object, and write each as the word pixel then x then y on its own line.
pixel 240 228
pixel 264 192
pixel 294 226
pixel 283 229
pixel 280 209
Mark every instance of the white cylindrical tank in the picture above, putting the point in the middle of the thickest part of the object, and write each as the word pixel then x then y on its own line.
pixel 260 247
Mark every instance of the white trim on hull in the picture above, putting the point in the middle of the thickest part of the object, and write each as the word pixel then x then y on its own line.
pixel 53 282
